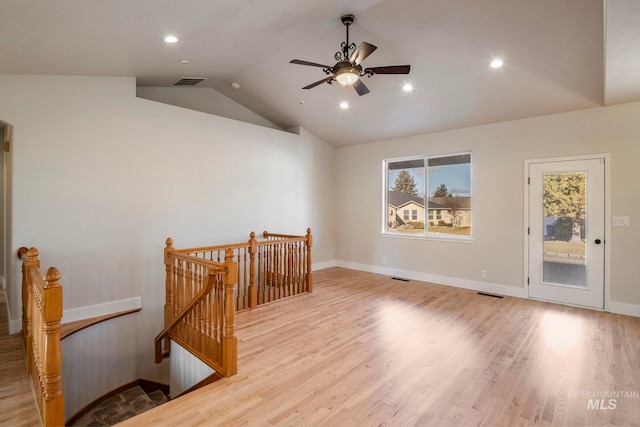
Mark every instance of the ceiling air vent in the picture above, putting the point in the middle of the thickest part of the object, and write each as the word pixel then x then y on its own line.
pixel 189 81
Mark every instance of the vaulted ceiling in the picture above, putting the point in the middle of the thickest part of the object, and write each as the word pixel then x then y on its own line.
pixel 558 56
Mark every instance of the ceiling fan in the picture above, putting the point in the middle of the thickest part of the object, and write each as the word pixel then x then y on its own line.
pixel 347 71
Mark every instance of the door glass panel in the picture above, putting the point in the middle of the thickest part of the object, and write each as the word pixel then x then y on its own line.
pixel 564 218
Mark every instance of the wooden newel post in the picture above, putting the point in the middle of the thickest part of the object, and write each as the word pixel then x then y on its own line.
pixel 229 342
pixel 253 292
pixel 53 405
pixel 169 302
pixel 22 255
pixel 309 276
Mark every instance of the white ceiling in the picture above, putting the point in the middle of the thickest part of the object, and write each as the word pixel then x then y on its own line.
pixel 559 55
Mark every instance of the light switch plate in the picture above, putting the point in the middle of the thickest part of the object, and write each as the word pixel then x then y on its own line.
pixel 620 221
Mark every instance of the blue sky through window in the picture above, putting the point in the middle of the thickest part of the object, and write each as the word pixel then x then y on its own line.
pixel 456 177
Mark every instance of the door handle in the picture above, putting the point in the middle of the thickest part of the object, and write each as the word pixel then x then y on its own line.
pixel 597 241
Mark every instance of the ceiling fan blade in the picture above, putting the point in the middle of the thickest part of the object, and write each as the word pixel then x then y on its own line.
pixel 391 69
pixel 365 49
pixel 312 64
pixel 319 82
pixel 360 87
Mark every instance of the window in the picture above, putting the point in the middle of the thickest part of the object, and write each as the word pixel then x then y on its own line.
pixel 439 185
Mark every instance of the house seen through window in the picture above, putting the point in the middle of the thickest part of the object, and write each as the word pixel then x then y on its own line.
pixel 428 196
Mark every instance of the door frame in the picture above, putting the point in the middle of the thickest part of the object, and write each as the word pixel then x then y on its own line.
pixel 607 218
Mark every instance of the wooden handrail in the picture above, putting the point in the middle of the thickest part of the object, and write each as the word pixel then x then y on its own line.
pixel 70 328
pixel 212 248
pixel 181 315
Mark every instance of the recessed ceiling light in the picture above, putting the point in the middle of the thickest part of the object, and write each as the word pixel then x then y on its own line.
pixel 235 85
pixel 170 39
pixel 184 61
pixel 407 87
pixel 300 101
pixel 344 105
pixel 497 63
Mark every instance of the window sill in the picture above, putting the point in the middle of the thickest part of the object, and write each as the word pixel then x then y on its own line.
pixel 438 237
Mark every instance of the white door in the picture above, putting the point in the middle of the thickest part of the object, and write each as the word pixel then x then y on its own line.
pixel 566 231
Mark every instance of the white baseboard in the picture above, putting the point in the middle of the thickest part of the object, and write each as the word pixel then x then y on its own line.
pixel 492 288
pixel 15 325
pixel 624 308
pixel 111 307
pixel 323 265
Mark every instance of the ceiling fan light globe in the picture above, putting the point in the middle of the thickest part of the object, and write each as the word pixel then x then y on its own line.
pixel 347 77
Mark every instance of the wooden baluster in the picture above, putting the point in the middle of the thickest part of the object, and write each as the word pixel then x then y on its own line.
pixel 292 273
pixel 309 278
pixel 282 262
pixel 269 271
pixel 53 405
pixel 276 272
pixel 198 317
pixel 253 248
pixel 238 287
pixel 230 342
pixel 285 270
pixel 297 276
pixel 245 277
pixel 214 313
pixel 220 308
pixel 30 262
pixel 290 268
pixel 301 261
pixel 281 270
pixel 262 281
pixel 188 297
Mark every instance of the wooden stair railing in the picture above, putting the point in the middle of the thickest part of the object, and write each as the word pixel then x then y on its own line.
pixel 202 293
pixel 43 332
pixel 199 311
pixel 268 270
pixel 41 316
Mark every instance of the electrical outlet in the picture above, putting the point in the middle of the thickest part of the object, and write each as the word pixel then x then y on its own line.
pixel 384 259
pixel 483 274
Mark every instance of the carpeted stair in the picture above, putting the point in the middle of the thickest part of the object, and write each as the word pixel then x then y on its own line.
pixel 120 407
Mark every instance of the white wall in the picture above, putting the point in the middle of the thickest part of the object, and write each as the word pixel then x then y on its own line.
pixel 498 152
pixel 186 370
pixel 100 180
pixel 203 99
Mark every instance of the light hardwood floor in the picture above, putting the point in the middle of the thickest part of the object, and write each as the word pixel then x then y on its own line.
pixel 17 405
pixel 365 350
